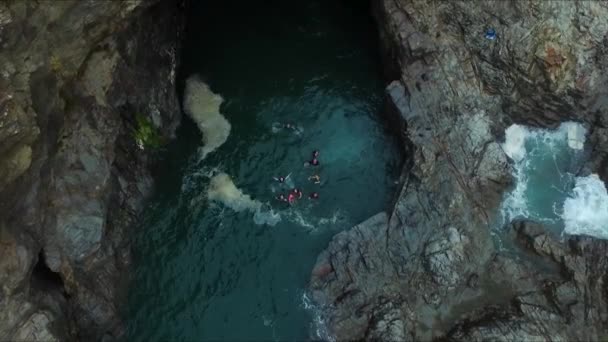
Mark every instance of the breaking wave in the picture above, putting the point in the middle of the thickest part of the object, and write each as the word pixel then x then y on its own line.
pixel 546 190
pixel 586 211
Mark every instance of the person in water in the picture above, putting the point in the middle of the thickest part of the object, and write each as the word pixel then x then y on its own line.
pixel 291 198
pixel 315 179
pixel 297 192
pixel 314 195
pixel 292 127
pixel 281 198
pixel 313 162
pixel 281 179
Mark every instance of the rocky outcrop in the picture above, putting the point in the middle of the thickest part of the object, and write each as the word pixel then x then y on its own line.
pixel 78 81
pixel 429 267
pixel 567 299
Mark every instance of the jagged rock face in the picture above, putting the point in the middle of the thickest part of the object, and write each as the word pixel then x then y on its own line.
pixel 429 269
pixel 74 75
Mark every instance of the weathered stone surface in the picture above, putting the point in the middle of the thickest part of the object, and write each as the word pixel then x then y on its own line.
pixel 36 328
pixel 16 259
pixel 73 76
pixel 432 270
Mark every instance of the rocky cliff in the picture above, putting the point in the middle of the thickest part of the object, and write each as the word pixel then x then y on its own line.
pixel 428 268
pixel 87 91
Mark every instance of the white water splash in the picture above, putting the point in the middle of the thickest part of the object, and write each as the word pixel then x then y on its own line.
pixel 319 328
pixel 265 215
pixel 278 127
pixel 222 189
pixel 586 212
pixel 515 139
pixel 298 217
pixel 203 106
pixel 576 135
pixel 525 146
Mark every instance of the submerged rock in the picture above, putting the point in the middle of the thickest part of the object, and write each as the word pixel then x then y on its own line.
pixel 428 268
pixel 74 76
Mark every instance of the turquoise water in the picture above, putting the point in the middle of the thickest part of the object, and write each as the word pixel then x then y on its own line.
pixel 205 272
pixel 545 178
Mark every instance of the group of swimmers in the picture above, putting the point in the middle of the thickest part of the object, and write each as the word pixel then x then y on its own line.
pixel 295 193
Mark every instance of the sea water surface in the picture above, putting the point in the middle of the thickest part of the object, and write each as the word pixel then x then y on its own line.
pixel 550 184
pixel 203 271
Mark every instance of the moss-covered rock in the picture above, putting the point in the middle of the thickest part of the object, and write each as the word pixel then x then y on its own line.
pixel 145 134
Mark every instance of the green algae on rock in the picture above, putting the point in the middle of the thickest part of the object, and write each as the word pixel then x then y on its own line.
pixel 146 135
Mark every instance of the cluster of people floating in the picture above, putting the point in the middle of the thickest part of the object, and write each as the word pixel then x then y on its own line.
pixel 295 194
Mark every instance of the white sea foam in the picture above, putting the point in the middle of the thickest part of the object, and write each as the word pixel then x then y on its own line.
pixel 222 189
pixel 331 220
pixel 298 217
pixel 318 326
pixel 515 204
pixel 276 127
pixel 265 215
pixel 576 135
pixel 515 139
pixel 522 145
pixel 203 106
pixel 586 212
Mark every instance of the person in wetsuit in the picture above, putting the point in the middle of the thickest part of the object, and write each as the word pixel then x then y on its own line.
pixel 314 195
pixel 313 162
pixel 297 192
pixel 291 198
pixel 315 179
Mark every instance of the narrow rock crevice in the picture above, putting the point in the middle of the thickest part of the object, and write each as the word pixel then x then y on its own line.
pixel 44 279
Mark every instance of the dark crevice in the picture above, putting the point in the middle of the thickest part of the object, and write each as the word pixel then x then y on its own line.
pixel 44 279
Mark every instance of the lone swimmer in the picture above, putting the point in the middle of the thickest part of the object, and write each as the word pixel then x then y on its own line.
pixel 314 195
pixel 292 127
pixel 281 179
pixel 281 198
pixel 315 179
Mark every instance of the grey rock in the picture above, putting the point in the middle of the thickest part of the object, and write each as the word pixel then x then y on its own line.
pixel 73 75
pixel 16 259
pixel 432 270
pixel 36 328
